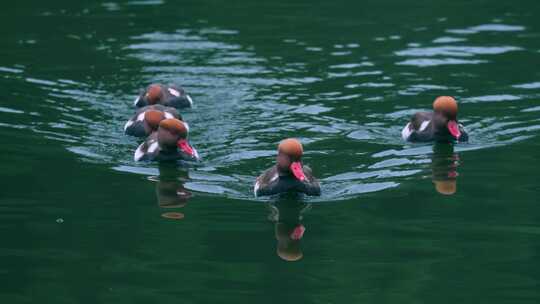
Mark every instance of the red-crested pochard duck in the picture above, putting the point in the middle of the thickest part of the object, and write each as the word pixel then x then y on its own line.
pixel 168 143
pixel 440 125
pixel 168 95
pixel 146 120
pixel 288 174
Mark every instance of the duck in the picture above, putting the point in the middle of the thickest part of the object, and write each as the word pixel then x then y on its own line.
pixel 168 95
pixel 288 174
pixel 146 120
pixel 168 143
pixel 441 125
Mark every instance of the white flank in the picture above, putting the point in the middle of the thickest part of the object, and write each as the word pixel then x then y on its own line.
pixel 128 124
pixel 138 153
pixel 174 92
pixel 406 132
pixel 168 115
pixel 274 177
pixel 424 125
pixel 189 99
pixel 187 126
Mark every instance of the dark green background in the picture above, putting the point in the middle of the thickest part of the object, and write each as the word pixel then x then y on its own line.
pixel 80 221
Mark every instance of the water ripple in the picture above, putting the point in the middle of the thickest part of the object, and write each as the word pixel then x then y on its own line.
pixel 532 85
pixel 487 28
pixel 421 62
pixel 491 98
pixel 247 101
pixel 457 51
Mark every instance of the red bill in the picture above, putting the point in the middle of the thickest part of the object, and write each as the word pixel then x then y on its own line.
pixel 453 128
pixel 184 146
pixel 297 171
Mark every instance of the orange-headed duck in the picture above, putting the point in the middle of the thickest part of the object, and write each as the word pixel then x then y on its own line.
pixel 146 120
pixel 168 95
pixel 288 174
pixel 440 125
pixel 168 143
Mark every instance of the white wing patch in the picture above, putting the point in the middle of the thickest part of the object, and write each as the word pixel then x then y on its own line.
pixel 168 115
pixel 153 147
pixel 406 132
pixel 136 100
pixel 187 126
pixel 139 153
pixel 174 92
pixel 256 187
pixel 140 117
pixel 128 124
pixel 424 125
pixel 189 99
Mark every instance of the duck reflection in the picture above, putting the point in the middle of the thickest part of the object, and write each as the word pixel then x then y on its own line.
pixel 170 191
pixel 287 217
pixel 444 164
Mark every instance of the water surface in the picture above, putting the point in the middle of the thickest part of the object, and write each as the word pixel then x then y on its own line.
pixel 83 222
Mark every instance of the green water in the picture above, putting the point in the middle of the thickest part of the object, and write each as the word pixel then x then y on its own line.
pixel 81 222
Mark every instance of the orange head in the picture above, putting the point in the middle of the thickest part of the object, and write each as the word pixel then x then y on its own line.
pixel 154 93
pixel 291 147
pixel 173 133
pixel 447 106
pixel 153 118
pixel 288 160
pixel 174 127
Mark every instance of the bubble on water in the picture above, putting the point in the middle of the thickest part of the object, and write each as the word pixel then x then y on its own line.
pixel 59 220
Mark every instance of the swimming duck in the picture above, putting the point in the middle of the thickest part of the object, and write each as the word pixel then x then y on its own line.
pixel 146 120
pixel 440 125
pixel 168 95
pixel 168 143
pixel 289 174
